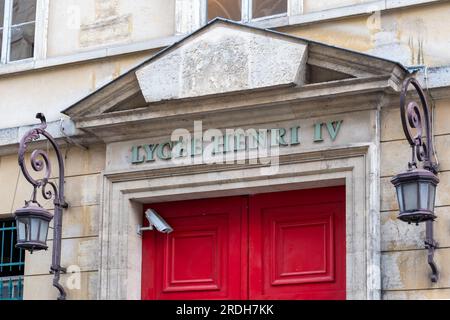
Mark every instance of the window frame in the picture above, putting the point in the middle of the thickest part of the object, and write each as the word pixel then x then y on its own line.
pixel 248 6
pixel 191 15
pixel 40 33
pixel 12 285
pixel 247 12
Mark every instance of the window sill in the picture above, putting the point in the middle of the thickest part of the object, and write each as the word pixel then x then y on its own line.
pixel 362 9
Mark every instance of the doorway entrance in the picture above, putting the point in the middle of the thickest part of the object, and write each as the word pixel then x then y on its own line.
pixel 283 245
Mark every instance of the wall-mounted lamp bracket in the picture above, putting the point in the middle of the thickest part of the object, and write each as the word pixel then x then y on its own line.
pixel 431 245
pixel 40 161
pixel 416 122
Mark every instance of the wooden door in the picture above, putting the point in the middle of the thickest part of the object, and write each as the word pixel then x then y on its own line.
pixel 285 245
pixel 206 255
pixel 297 245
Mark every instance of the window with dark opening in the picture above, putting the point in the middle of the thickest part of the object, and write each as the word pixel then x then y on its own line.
pixel 22 29
pixel 228 9
pixel 245 10
pixel 265 8
pixel 12 262
pixel 17 29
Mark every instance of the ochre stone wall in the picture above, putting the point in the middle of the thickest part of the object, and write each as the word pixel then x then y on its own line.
pixel 77 26
pixel 80 222
pixel 412 36
pixel 417 35
pixel 405 272
pixel 52 90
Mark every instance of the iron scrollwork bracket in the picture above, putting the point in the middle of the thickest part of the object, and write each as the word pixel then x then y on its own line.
pixel 416 121
pixel 431 245
pixel 40 160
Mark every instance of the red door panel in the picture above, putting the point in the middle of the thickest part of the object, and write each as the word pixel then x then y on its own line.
pixel 205 257
pixel 286 245
pixel 297 245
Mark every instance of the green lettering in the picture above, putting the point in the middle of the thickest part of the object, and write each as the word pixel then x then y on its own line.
pixel 150 151
pixel 136 157
pixel 196 147
pixel 258 139
pixel 278 137
pixel 179 149
pixel 318 132
pixel 160 151
pixel 217 144
pixel 226 143
pixel 333 128
pixel 295 139
pixel 239 142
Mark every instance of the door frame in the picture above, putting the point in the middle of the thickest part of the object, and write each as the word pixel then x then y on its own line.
pixel 124 193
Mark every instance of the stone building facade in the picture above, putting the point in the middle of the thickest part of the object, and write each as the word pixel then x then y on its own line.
pixel 116 78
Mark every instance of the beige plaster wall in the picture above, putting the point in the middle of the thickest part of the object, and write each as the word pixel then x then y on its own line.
pixel 412 36
pixel 314 5
pixel 80 25
pixel 405 272
pixel 80 222
pixel 52 90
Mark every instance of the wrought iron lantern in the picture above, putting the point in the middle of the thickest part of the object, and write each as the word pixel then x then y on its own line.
pixel 33 220
pixel 416 190
pixel 416 187
pixel 32 227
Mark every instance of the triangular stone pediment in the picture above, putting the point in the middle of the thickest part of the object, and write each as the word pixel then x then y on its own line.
pixel 226 58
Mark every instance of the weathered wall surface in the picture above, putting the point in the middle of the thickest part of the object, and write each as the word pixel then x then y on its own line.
pixel 314 5
pixel 52 90
pixel 412 36
pixel 80 249
pixel 405 272
pixel 76 26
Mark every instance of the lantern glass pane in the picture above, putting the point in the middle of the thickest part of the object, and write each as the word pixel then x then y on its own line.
pixel 21 230
pixel 410 196
pixel 423 195
pixel 432 195
pixel 400 198
pixel 43 232
pixel 34 229
pixel 27 229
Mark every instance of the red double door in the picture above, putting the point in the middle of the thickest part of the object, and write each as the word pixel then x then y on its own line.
pixel 286 245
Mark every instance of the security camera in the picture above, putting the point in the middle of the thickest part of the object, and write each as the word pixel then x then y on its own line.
pixel 155 220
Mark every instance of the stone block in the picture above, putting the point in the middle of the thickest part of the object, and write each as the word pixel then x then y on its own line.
pixel 80 252
pixel 79 222
pixel 395 155
pixel 41 288
pixel 398 235
pixel 409 270
pixel 433 294
pixel 391 126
